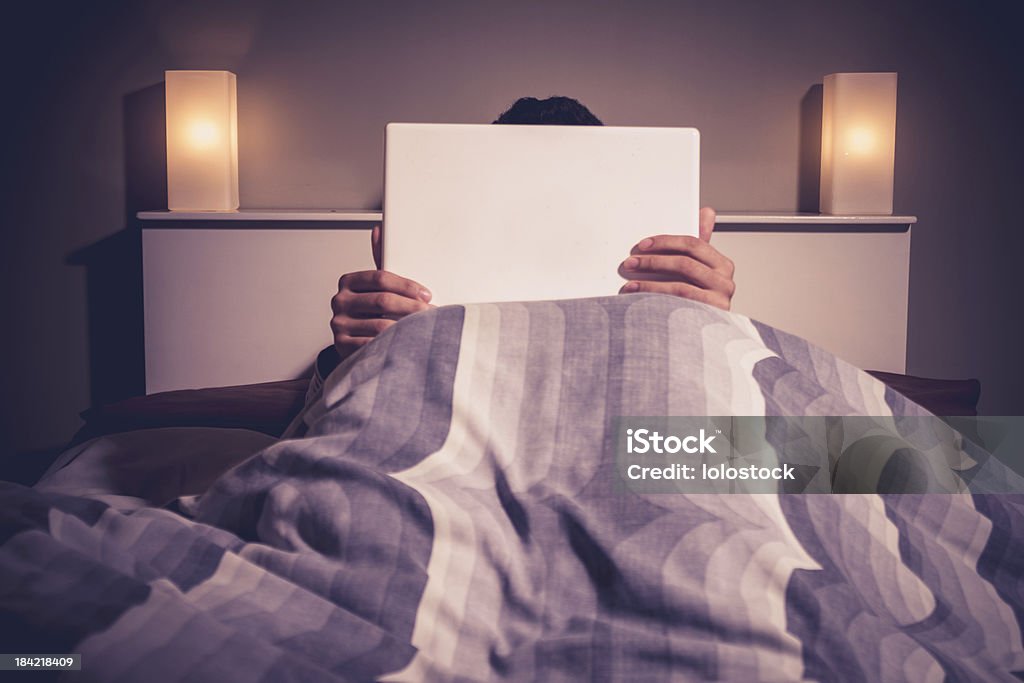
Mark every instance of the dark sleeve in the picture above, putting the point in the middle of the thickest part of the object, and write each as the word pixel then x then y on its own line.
pixel 326 361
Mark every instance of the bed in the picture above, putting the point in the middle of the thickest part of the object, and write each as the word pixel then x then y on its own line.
pixel 447 508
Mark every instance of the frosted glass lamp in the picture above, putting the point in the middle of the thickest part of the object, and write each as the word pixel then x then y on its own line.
pixel 202 141
pixel 858 143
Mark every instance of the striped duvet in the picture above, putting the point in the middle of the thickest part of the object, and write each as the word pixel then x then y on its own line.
pixel 447 510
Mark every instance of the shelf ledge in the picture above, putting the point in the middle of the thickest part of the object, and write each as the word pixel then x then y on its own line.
pixel 282 215
pixel 364 216
pixel 803 218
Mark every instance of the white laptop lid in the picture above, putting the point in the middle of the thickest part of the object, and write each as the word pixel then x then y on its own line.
pixel 482 213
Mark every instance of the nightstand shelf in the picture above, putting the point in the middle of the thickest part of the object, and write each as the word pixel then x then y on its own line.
pixel 801 218
pixel 782 218
pixel 264 216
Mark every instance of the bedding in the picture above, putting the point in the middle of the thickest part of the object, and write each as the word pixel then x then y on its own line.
pixel 150 467
pixel 270 407
pixel 447 508
pixel 267 407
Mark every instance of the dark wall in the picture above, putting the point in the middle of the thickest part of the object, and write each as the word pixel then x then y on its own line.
pixel 318 80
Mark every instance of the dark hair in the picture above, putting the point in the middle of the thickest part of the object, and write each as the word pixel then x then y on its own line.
pixel 554 111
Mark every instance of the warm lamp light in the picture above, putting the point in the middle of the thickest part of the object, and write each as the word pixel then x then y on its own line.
pixel 202 141
pixel 858 143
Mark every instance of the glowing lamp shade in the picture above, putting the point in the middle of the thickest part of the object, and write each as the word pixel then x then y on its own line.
pixel 202 141
pixel 858 143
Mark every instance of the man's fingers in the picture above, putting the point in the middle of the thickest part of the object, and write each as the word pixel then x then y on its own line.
pixel 680 289
pixel 707 223
pixel 669 267
pixel 344 325
pixel 370 301
pixel 383 304
pixel 347 345
pixel 384 281
pixel 375 245
pixel 350 334
pixel 684 244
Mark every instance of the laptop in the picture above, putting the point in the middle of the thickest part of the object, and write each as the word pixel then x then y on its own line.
pixel 486 213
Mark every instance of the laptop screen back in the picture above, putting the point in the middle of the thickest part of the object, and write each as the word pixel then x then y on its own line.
pixel 482 213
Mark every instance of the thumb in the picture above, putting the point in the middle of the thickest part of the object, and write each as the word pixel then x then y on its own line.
pixel 376 246
pixel 707 223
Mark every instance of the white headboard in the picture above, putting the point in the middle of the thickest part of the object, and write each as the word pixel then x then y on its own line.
pixel 239 305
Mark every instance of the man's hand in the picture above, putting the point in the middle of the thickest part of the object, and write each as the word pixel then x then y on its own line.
pixel 681 265
pixel 370 301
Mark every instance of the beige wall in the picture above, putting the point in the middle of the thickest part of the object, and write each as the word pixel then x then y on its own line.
pixel 317 81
